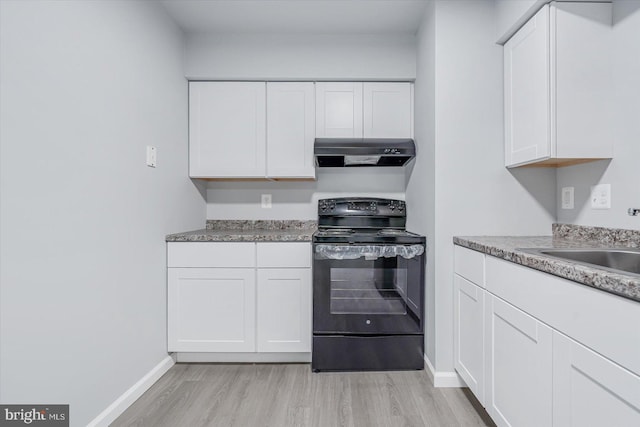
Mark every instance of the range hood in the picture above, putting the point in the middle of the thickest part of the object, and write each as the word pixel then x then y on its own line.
pixel 350 152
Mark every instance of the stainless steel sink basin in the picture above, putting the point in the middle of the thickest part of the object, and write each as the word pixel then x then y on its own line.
pixel 621 260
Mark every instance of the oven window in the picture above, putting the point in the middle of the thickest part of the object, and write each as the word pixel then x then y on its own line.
pixel 369 287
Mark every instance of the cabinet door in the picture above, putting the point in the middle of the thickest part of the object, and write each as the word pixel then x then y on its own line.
pixel 519 367
pixel 589 390
pixel 290 130
pixel 387 110
pixel 284 310
pixel 526 91
pixel 338 110
pixel 227 129
pixel 468 334
pixel 211 309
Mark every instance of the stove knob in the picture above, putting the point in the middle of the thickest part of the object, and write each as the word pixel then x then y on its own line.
pixel 392 207
pixel 401 207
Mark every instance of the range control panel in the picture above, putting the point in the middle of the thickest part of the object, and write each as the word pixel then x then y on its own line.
pixel 361 206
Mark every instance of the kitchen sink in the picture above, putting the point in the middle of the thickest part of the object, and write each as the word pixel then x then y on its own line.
pixel 621 260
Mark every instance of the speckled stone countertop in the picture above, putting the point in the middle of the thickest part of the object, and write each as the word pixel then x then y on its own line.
pixel 249 231
pixel 565 237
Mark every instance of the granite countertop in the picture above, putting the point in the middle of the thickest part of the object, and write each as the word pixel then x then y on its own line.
pixel 249 231
pixel 565 237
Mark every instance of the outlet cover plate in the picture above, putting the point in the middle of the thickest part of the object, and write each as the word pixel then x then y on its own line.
pixel 601 196
pixel 152 159
pixel 266 201
pixel 567 197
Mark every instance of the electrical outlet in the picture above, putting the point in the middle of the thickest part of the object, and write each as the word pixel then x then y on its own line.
pixel 601 196
pixel 266 201
pixel 151 156
pixel 567 197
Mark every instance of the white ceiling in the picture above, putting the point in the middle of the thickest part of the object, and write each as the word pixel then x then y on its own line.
pixel 297 16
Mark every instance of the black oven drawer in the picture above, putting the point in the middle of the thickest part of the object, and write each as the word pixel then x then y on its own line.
pixel 367 353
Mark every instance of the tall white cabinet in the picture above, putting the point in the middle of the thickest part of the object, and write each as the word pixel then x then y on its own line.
pixel 557 86
pixel 364 109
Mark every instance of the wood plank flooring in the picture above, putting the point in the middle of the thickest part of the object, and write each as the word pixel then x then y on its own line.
pixel 280 395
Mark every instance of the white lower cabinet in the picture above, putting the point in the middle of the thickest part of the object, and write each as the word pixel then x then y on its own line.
pixel 469 331
pixel 590 390
pixel 284 311
pixel 518 366
pixel 516 333
pixel 260 304
pixel 211 309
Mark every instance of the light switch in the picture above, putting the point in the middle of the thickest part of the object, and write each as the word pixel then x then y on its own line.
pixel 567 197
pixel 601 196
pixel 151 156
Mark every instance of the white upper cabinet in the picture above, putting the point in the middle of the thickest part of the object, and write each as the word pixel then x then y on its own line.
pixel 290 130
pixel 388 110
pixel 338 110
pixel 251 130
pixel 227 122
pixel 557 85
pixel 370 110
pixel 527 106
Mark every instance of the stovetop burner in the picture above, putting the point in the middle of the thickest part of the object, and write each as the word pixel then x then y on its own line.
pixel 357 220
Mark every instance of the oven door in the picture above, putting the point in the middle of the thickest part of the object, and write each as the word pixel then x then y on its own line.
pixel 368 289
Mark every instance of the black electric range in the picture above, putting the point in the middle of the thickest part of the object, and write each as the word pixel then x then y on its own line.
pixel 368 287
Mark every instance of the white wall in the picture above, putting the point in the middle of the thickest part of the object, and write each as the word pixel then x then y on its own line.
pixel 299 199
pixel 85 86
pixel 474 194
pixel 421 178
pixel 300 57
pixel 623 171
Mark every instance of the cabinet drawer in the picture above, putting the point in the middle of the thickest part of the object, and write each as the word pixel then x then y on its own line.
pixel 284 255
pixel 469 264
pixel 211 254
pixel 599 320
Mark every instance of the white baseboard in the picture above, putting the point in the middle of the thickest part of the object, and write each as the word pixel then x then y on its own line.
pixel 444 379
pixel 128 397
pixel 244 357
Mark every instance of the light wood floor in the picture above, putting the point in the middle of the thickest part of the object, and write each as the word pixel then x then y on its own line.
pixel 279 395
